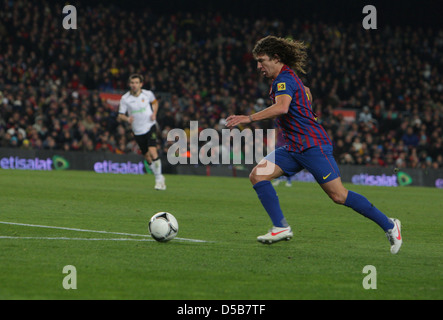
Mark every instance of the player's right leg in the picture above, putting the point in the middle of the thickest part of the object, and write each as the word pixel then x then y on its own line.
pixel 261 177
pixel 394 236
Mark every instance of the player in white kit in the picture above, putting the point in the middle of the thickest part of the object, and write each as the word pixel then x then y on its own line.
pixel 139 108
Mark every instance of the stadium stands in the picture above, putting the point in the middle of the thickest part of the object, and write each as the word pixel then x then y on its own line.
pixel 379 94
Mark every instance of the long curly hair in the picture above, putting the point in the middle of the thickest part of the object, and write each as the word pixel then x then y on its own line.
pixel 291 52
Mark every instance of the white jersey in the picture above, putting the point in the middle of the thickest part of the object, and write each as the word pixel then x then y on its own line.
pixel 140 108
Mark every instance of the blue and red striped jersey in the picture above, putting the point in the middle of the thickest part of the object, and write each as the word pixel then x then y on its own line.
pixel 299 126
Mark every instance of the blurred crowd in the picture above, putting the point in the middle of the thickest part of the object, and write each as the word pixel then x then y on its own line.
pixel 50 79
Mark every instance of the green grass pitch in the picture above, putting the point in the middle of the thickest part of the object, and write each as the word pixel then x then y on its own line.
pixel 325 259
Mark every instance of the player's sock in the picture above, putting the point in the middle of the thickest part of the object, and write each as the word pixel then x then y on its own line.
pixel 360 204
pixel 269 199
pixel 156 167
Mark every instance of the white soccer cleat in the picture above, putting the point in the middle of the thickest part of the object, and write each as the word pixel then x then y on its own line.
pixel 276 234
pixel 394 236
pixel 160 184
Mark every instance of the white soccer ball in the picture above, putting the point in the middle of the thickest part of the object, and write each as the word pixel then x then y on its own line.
pixel 163 226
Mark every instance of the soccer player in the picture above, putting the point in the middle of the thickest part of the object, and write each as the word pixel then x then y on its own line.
pixel 139 108
pixel 307 143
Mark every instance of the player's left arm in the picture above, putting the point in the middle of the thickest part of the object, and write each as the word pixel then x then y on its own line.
pixel 154 105
pixel 308 93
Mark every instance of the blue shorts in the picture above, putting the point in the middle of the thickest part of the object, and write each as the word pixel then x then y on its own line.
pixel 319 161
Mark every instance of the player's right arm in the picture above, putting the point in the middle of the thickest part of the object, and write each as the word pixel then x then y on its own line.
pixel 280 107
pixel 122 109
pixel 124 117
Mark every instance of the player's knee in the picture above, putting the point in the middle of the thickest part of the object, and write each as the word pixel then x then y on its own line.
pixel 255 178
pixel 338 197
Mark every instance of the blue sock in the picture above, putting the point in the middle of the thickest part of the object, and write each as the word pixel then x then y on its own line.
pixel 269 199
pixel 367 209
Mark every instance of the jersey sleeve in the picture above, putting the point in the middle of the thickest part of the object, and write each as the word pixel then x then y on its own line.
pixel 284 85
pixel 122 108
pixel 151 96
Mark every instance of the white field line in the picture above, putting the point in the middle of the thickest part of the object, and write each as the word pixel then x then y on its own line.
pixel 65 238
pixel 85 230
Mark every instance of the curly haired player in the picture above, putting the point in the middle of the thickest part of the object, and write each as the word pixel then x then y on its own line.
pixel 307 145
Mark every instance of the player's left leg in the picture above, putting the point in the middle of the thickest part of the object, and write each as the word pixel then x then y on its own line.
pixel 340 195
pixel 327 174
pixel 156 167
pixel 320 162
pixel 153 159
pixel 147 144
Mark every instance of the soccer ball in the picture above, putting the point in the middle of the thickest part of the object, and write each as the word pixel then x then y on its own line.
pixel 163 226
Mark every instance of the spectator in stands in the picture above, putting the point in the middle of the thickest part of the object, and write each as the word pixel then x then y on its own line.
pixel 409 138
pixel 365 117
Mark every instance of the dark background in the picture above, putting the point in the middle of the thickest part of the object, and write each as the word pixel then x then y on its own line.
pixel 414 13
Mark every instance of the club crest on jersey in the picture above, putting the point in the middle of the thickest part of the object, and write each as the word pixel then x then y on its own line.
pixel 281 86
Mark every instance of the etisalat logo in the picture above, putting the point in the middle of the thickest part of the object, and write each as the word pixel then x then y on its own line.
pixel 17 163
pixel 403 178
pixel 398 179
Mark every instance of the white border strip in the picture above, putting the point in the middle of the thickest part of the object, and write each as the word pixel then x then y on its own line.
pixel 85 230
